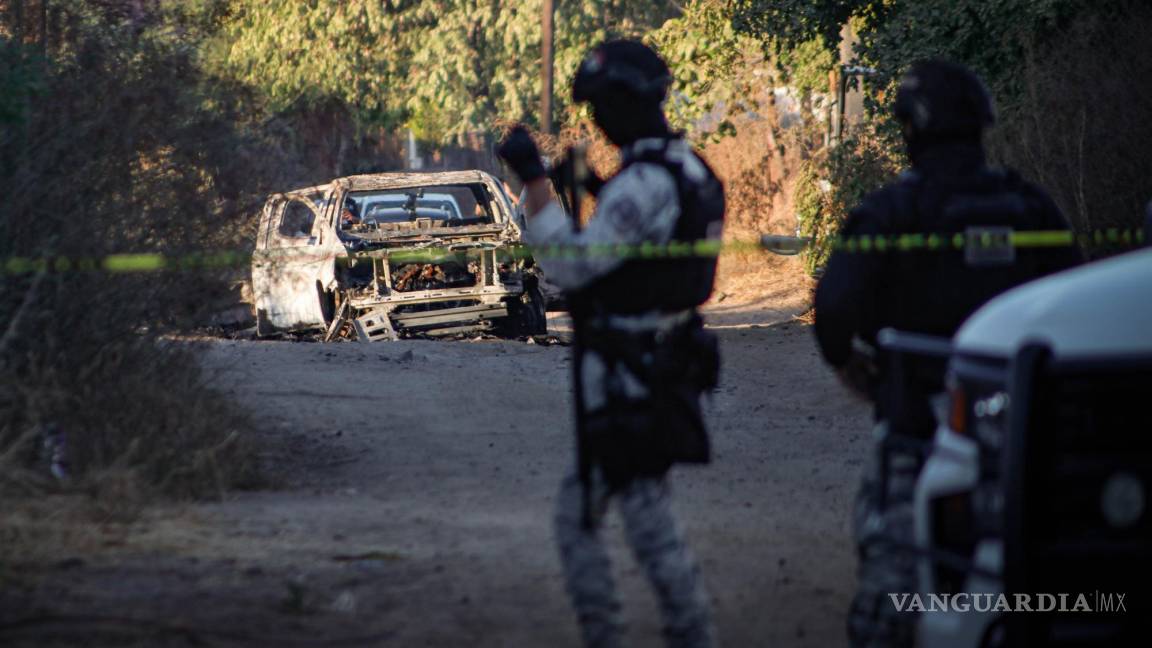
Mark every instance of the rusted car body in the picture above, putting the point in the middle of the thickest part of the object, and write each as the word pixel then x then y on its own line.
pixel 395 255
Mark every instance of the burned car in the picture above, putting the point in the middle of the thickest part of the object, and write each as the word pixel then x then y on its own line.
pixel 393 255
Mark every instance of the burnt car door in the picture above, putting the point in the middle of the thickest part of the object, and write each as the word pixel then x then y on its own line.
pixel 293 261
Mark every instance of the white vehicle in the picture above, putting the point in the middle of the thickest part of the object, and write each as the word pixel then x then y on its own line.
pixel 1038 480
pixel 394 255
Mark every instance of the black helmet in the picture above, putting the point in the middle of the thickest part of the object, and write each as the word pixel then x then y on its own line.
pixel 622 66
pixel 944 100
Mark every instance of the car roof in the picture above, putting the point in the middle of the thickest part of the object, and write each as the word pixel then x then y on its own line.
pixel 426 196
pixel 410 179
pixel 308 191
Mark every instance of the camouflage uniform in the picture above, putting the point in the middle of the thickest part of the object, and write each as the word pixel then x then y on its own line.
pixel 645 506
pixel 637 313
pixel 645 501
pixel 884 567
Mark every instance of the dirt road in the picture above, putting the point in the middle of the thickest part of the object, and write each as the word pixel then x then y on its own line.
pixel 414 507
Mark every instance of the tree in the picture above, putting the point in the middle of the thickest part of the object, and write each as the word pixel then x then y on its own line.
pixel 445 68
pixel 713 76
pixel 788 23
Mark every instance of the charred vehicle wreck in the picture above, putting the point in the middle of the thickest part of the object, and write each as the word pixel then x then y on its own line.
pixel 395 255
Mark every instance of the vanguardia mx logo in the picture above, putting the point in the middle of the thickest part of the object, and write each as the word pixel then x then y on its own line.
pixel 1107 602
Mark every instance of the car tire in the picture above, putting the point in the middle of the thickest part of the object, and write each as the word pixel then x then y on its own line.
pixel 263 326
pixel 526 314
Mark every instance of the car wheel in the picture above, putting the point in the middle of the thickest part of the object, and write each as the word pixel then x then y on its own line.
pixel 526 315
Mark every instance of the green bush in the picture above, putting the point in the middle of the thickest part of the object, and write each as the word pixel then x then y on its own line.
pixel 829 188
pixel 1066 74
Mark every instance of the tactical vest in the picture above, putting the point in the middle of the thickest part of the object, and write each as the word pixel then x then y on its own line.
pixel 663 282
pixel 934 291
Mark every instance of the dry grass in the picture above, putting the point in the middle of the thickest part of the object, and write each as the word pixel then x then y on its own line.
pixel 42 530
pixel 134 419
pixel 759 167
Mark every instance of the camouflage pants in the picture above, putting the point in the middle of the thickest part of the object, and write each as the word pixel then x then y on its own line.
pixel 883 531
pixel 652 533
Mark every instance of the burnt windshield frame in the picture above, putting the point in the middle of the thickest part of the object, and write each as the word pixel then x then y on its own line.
pixel 446 205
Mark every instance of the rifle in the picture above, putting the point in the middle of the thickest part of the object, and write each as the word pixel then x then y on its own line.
pixel 569 188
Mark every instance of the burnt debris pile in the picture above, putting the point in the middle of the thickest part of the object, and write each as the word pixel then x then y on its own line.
pixel 430 276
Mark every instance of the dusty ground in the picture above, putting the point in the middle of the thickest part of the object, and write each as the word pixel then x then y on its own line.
pixel 414 505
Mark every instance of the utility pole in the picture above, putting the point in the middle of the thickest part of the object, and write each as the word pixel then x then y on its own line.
pixel 548 59
pixel 18 22
pixel 44 28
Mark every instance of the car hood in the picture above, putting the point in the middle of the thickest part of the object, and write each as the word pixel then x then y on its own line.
pixel 1103 308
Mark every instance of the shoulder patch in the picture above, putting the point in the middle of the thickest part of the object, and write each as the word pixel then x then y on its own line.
pixel 625 213
pixel 647 179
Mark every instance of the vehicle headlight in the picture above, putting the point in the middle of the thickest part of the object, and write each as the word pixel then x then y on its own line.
pixel 990 416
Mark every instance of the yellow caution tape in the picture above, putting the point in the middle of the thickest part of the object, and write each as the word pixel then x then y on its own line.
pixel 135 262
pixel 219 259
pixel 958 241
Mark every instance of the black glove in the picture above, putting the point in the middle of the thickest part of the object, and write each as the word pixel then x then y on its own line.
pixel 521 154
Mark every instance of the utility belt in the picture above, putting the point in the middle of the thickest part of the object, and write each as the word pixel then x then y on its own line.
pixel 676 360
pixel 664 351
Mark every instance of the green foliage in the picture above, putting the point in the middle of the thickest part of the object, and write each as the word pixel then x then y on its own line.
pixel 19 78
pixel 1011 44
pixel 988 35
pixel 806 66
pixel 789 23
pixel 450 68
pixel 582 24
pixel 991 37
pixel 446 68
pixel 801 37
pixel 1079 123
pixel 827 190
pixel 296 52
pixel 813 216
pixel 714 77
pixel 124 146
pixel 468 62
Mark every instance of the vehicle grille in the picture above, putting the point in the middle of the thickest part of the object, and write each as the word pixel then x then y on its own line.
pixel 1077 470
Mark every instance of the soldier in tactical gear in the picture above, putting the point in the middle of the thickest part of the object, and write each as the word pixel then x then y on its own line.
pixel 643 358
pixel 943 110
